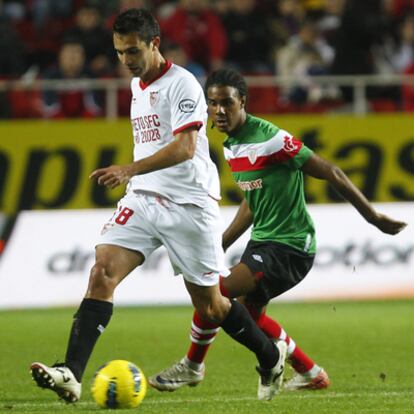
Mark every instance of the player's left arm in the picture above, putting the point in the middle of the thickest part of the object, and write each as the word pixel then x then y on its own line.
pixel 320 168
pixel 241 222
pixel 181 149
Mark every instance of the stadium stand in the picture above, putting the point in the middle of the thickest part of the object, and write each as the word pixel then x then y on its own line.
pixel 305 40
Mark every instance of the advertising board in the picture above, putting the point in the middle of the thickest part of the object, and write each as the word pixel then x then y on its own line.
pixel 46 165
pixel 49 254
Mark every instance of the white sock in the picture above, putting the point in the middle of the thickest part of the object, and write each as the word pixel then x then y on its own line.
pixel 195 366
pixel 313 372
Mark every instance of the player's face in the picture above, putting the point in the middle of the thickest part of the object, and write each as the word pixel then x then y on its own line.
pixel 135 54
pixel 226 108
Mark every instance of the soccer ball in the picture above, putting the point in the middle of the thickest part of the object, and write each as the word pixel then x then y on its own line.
pixel 119 384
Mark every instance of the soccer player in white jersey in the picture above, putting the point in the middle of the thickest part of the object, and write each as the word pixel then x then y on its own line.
pixel 268 164
pixel 171 200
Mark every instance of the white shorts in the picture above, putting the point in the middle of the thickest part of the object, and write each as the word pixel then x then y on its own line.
pixel 192 235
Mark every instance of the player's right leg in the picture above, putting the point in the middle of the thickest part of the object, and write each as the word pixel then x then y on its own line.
pixel 124 242
pixel 112 264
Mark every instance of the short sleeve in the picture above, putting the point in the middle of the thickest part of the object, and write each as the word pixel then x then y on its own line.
pixel 290 150
pixel 188 105
pixel 301 157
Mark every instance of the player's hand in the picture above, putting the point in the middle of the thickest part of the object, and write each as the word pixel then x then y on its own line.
pixel 387 224
pixel 112 176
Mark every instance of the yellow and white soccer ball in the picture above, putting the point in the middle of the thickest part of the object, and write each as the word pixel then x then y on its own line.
pixel 119 384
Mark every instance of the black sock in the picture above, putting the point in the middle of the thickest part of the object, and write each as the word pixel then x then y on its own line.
pixel 89 322
pixel 241 327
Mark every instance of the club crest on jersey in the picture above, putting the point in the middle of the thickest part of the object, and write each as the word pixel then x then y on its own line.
pixel 290 145
pixel 252 156
pixel 153 97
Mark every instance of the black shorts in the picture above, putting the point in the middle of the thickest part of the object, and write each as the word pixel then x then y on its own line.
pixel 277 266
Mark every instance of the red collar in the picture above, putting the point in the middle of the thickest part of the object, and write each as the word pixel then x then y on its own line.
pixel 167 66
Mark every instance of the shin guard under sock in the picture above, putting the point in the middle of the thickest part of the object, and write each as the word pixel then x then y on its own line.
pixel 89 322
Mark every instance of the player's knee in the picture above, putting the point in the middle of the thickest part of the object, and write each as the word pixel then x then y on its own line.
pixel 100 281
pixel 213 312
pixel 206 314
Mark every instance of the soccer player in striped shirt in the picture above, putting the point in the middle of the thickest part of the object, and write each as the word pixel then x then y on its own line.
pixel 268 164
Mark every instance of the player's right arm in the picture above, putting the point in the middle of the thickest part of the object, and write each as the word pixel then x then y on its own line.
pixel 181 149
pixel 318 167
pixel 241 222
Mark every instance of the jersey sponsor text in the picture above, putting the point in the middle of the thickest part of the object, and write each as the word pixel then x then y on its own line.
pixel 250 185
pixel 146 128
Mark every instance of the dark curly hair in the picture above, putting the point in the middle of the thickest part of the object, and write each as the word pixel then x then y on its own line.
pixel 140 21
pixel 227 77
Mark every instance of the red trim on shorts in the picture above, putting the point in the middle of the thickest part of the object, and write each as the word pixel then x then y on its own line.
pixel 143 85
pixel 198 124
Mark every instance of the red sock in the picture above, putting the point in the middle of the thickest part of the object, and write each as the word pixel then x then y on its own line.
pixel 202 335
pixel 270 327
pixel 300 361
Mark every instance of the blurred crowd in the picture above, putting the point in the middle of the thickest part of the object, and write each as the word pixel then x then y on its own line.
pixel 70 39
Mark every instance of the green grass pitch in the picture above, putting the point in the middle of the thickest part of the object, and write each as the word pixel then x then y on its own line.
pixel 366 347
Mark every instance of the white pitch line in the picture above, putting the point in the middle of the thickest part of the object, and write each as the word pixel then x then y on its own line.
pixel 285 395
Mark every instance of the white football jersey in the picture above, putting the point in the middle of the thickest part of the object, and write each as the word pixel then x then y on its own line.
pixel 159 110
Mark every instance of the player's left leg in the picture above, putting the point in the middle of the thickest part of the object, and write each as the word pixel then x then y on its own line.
pixel 203 333
pixel 235 321
pixel 279 269
pixel 191 368
pixel 196 253
pixel 243 281
pixel 215 310
pixel 233 317
pixel 308 375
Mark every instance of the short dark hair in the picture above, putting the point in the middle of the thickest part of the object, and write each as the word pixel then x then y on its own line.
pixel 140 21
pixel 227 77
